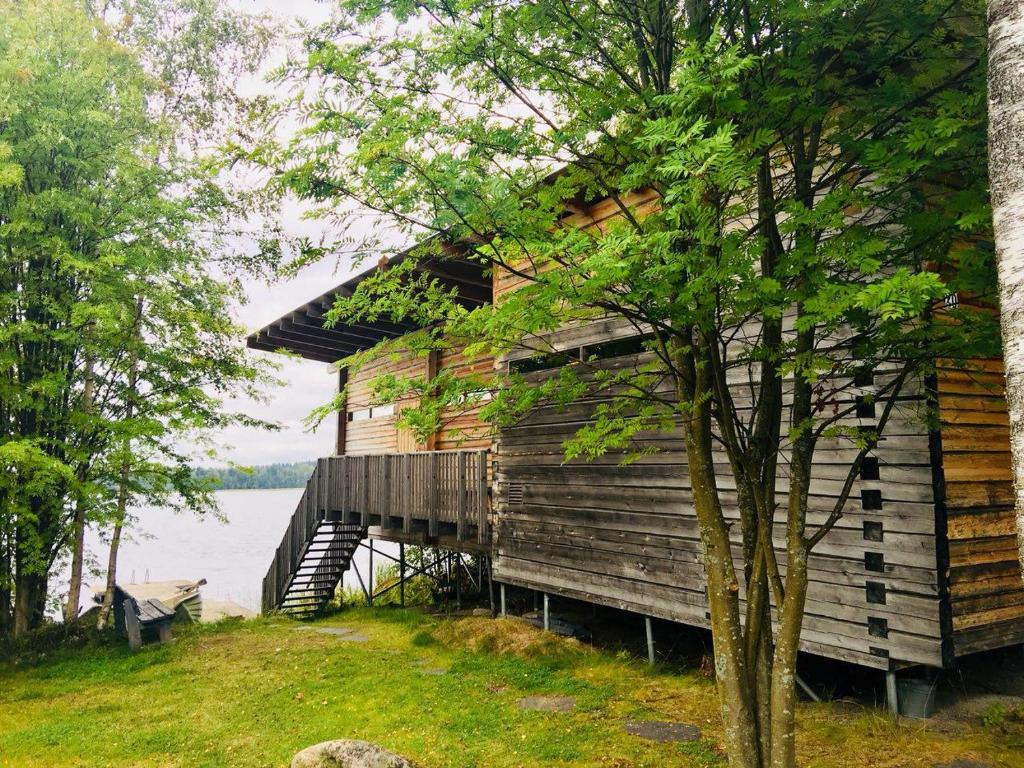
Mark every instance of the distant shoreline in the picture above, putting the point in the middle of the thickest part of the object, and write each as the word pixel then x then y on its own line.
pixel 262 477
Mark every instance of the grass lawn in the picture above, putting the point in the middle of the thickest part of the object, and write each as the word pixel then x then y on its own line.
pixel 441 692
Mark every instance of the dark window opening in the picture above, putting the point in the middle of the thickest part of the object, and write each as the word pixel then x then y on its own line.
pixel 878 627
pixel 874 561
pixel 865 377
pixel 871 499
pixel 874 591
pixel 865 408
pixel 873 530
pixel 869 468
pixel 633 345
pixel 544 362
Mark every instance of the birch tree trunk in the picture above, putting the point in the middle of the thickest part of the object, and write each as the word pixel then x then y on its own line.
pixel 1006 171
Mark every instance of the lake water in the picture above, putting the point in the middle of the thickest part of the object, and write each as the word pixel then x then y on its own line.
pixel 232 556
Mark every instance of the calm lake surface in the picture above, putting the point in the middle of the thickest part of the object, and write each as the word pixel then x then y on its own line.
pixel 232 556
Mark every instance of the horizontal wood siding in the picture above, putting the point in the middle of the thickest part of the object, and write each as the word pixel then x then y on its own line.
pixel 627 536
pixel 380 434
pixel 596 217
pixel 986 593
pixel 461 427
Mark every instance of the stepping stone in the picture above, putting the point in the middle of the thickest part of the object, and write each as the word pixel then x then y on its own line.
pixel 481 612
pixel 435 671
pixel 342 633
pixel 339 631
pixel 547 703
pixel 661 731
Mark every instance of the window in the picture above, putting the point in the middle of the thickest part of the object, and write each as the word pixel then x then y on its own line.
pixel 544 362
pixel 631 345
pixel 479 396
pixel 376 412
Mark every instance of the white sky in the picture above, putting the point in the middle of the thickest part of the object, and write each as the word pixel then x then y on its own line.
pixel 309 383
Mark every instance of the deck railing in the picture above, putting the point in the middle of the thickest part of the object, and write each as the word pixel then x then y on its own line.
pixel 401 489
pixel 406 492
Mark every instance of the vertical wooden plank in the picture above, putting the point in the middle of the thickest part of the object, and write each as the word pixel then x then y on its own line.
pixel 461 500
pixel 407 495
pixel 435 493
pixel 131 624
pixel 386 462
pixel 339 442
pixel 364 486
pixel 483 501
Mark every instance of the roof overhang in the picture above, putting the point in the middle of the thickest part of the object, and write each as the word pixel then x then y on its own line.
pixel 305 332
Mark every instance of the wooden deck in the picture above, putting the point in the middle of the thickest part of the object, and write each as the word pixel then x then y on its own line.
pixel 438 498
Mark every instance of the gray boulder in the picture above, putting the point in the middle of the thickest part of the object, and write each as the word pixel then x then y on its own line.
pixel 348 753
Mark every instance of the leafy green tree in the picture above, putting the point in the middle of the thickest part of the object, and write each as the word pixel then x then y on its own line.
pixel 118 343
pixel 819 176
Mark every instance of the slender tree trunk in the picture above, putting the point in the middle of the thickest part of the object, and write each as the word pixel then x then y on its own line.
pixel 731 675
pixel 115 544
pixel 122 490
pixel 78 525
pixel 1006 172
pixel 6 576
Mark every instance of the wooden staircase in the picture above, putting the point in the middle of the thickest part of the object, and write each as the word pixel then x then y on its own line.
pixel 311 558
pixel 432 498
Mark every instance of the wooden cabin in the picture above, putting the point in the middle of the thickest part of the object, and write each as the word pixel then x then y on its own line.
pixel 921 569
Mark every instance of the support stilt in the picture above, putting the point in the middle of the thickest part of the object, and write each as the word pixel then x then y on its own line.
pixel 401 574
pixel 547 613
pixel 808 690
pixel 370 577
pixel 490 585
pixel 458 580
pixel 650 640
pixel 891 692
pixel 504 613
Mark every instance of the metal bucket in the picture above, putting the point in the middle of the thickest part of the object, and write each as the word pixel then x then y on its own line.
pixel 917 697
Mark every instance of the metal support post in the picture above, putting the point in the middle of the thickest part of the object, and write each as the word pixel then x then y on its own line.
pixel 650 640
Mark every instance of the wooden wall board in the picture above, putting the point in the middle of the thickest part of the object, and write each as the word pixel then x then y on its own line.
pixel 986 593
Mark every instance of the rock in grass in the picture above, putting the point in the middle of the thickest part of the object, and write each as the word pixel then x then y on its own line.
pixel 660 731
pixel 548 703
pixel 348 753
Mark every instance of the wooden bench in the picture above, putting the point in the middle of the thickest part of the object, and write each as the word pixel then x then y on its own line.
pixel 138 616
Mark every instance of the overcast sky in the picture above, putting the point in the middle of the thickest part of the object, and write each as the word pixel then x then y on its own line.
pixel 309 383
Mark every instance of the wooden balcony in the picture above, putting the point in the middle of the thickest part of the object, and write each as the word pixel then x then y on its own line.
pixel 434 498
pixel 422 497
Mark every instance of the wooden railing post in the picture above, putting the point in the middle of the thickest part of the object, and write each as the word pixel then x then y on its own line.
pixel 435 494
pixel 461 500
pixel 482 499
pixel 407 496
pixel 387 493
pixel 364 482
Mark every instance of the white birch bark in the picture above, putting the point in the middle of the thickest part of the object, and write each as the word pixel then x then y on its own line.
pixel 1006 171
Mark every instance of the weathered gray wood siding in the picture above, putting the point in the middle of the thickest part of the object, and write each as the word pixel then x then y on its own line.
pixel 626 536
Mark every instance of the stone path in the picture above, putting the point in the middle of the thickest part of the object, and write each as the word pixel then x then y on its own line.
pixel 547 703
pixel 661 731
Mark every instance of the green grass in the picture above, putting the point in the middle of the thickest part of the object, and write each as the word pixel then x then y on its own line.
pixel 254 693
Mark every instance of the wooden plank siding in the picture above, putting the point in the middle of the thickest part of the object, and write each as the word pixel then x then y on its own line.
pixel 462 427
pixel 986 593
pixel 378 434
pixel 627 536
